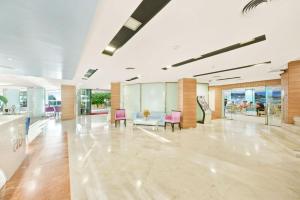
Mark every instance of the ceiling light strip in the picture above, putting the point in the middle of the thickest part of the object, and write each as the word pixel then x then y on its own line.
pixel 223 50
pixel 232 69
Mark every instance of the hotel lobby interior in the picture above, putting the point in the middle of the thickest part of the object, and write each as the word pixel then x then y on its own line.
pixel 149 99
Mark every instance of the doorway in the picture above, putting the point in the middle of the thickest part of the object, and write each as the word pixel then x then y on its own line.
pixel 253 104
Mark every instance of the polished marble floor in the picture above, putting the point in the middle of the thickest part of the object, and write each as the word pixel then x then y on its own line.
pixel 225 159
pixel 44 174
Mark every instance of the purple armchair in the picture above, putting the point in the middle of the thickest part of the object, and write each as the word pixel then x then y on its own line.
pixel 120 115
pixel 172 119
pixel 49 110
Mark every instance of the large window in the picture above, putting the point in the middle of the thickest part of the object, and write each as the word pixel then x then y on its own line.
pixel 23 99
pixel 238 96
pixel 53 97
pixel 260 95
pixel 100 100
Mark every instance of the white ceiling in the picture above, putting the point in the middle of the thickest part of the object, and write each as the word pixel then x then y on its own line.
pixel 59 38
pixel 186 29
pixel 17 81
pixel 43 37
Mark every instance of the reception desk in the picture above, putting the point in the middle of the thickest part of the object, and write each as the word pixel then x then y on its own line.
pixel 12 145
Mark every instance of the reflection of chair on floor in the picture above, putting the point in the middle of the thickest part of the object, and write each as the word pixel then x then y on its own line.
pixel 57 110
pixel 119 116
pixel 172 119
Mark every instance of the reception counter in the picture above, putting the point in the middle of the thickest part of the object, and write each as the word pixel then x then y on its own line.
pixel 12 145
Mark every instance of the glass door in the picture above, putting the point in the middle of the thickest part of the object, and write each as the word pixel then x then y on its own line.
pixel 273 99
pixel 85 101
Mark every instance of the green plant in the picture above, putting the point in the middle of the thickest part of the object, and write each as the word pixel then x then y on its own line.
pixel 99 98
pixel 3 99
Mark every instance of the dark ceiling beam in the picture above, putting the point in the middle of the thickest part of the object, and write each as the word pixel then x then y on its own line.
pixel 232 69
pixel 220 51
pixel 143 14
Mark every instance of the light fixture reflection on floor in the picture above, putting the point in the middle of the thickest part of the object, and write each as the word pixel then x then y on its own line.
pixel 159 138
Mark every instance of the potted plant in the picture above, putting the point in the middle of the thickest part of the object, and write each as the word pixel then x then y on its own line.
pixel 146 114
pixel 3 102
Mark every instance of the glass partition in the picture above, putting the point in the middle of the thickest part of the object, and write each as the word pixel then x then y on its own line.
pixel 132 101
pixel 273 99
pixel 171 97
pixel 153 97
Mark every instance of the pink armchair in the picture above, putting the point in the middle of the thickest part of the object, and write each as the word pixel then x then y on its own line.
pixel 120 115
pixel 172 119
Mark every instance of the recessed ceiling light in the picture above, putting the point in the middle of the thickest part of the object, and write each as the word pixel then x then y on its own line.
pixel 133 24
pixel 196 58
pixel 9 59
pixel 110 48
pixel 252 40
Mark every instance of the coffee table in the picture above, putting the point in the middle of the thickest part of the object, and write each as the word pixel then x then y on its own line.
pixel 146 122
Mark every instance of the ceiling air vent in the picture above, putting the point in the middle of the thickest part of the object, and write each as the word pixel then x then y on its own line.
pixel 223 79
pixel 129 68
pixel 253 4
pixel 132 79
pixel 90 73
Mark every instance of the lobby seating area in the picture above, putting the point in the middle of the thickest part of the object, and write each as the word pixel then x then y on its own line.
pixel 140 119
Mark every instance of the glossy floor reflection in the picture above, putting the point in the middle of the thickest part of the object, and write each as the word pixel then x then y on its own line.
pixel 44 174
pixel 222 160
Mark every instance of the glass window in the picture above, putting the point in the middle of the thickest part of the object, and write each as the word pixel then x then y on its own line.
pixel 238 96
pixel 260 95
pixel 23 99
pixel 53 97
